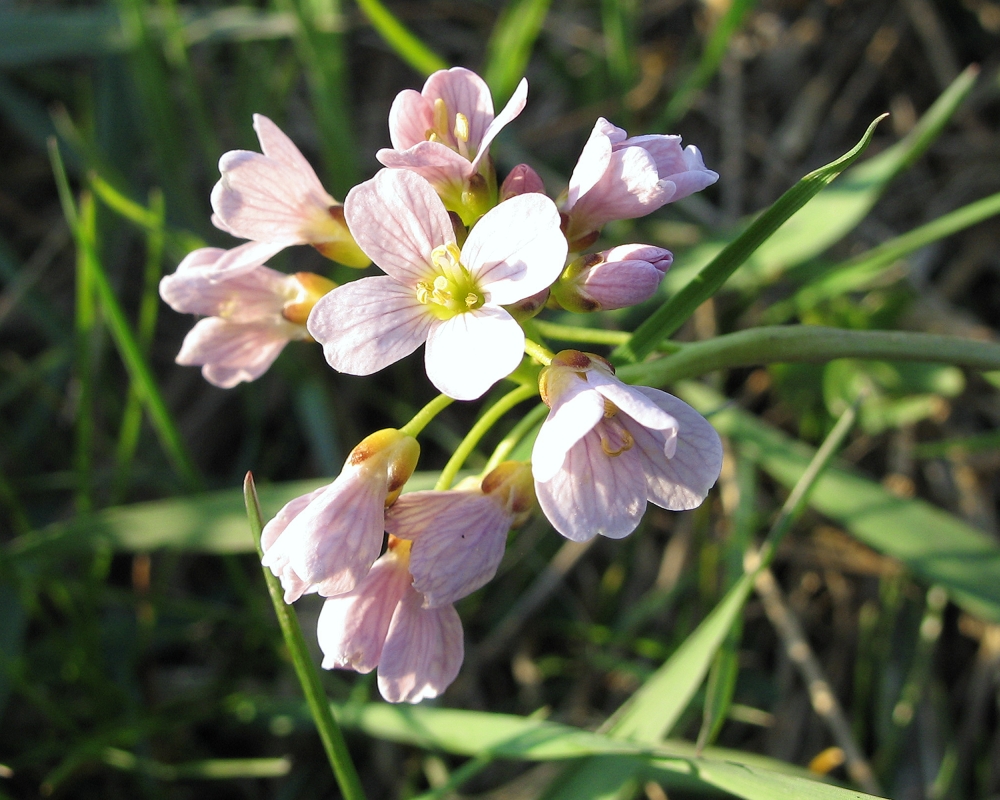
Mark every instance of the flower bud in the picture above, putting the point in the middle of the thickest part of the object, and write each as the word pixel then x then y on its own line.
pixel 511 482
pixel 529 306
pixel 616 278
pixel 332 238
pixel 309 288
pixel 521 180
pixel 391 450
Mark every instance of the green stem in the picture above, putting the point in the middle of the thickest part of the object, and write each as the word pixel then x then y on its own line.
pixel 305 668
pixel 483 424
pixel 796 343
pixel 538 352
pixel 574 333
pixel 517 433
pixel 425 415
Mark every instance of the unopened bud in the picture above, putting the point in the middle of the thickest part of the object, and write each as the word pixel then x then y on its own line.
pixel 529 306
pixel 616 278
pixel 511 482
pixel 391 450
pixel 566 367
pixel 309 287
pixel 332 238
pixel 521 180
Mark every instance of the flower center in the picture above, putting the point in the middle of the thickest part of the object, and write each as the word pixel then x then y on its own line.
pixel 454 136
pixel 615 439
pixel 452 290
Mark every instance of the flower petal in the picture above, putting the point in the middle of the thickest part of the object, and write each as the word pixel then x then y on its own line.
pixel 632 400
pixel 594 493
pixel 514 107
pixel 423 651
pixel 576 411
pixel 276 145
pixel 292 583
pixel 463 92
pixel 246 296
pixel 397 220
pixel 458 541
pixel 246 257
pixel 446 170
pixel 368 324
pixel 470 352
pixel 592 163
pixel 683 480
pixel 352 627
pixel 232 352
pixel 517 249
pixel 630 187
pixel 410 117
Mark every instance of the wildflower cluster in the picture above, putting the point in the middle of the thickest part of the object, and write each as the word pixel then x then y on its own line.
pixel 466 260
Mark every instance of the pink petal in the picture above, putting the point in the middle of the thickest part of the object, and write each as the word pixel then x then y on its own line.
pixel 463 92
pixel 262 199
pixel 683 480
pixel 292 583
pixel 423 651
pixel 470 352
pixel 592 164
pixel 629 188
pixel 594 493
pixel 276 144
pixel 231 352
pixel 517 249
pixel 247 296
pixel 397 220
pixel 246 257
pixel 368 324
pixel 632 400
pixel 352 627
pixel 513 108
pixel 573 415
pixel 437 164
pixel 202 257
pixel 410 118
pixel 458 541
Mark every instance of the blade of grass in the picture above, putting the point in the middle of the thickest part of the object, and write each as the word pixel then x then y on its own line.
pixel 210 769
pixel 618 19
pixel 509 47
pixel 305 669
pixel 139 372
pixel 671 315
pixel 87 341
pixel 400 39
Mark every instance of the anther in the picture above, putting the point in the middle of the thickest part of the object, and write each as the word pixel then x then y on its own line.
pixel 461 127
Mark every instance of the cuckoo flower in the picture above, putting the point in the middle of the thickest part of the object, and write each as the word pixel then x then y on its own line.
pixel 383 622
pixel 616 278
pixel 275 200
pixel 617 177
pixel 444 133
pixel 435 292
pixel 605 449
pixel 251 314
pixel 326 541
pixel 459 536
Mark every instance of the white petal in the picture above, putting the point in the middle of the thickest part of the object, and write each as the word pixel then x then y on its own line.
pixel 276 144
pixel 573 415
pixel 682 481
pixel 232 352
pixel 368 324
pixel 248 256
pixel 470 352
pixel 632 401
pixel 513 108
pixel 594 493
pixel 398 219
pixel 517 249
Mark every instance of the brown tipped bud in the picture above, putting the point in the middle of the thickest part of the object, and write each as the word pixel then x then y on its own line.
pixel 511 482
pixel 310 288
pixel 529 306
pixel 521 180
pixel 391 450
pixel 616 278
pixel 333 239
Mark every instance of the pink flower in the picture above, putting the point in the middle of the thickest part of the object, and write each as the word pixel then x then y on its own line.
pixel 607 448
pixel 521 180
pixel 459 536
pixel 326 541
pixel 434 292
pixel 276 200
pixel 385 623
pixel 251 314
pixel 616 278
pixel 621 178
pixel 444 132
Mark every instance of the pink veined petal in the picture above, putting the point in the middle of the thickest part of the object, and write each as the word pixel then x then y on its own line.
pixel 591 165
pixel 458 541
pixel 470 352
pixel 594 493
pixel 510 111
pixel 437 164
pixel 463 92
pixel 335 540
pixel 423 651
pixel 517 249
pixel 200 258
pixel 246 257
pixel 261 199
pixel 629 188
pixel 572 416
pixel 292 583
pixel 397 220
pixel 631 400
pixel 247 296
pixel 231 352
pixel 683 480
pixel 665 149
pixel 368 324
pixel 276 144
pixel 352 627
pixel 410 117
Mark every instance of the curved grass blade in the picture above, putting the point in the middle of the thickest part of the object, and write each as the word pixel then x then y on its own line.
pixel 400 39
pixel 510 45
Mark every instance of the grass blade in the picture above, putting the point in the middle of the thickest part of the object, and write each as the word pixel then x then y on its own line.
pixel 510 45
pixel 400 39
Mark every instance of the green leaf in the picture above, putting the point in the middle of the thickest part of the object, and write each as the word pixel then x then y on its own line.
pixel 751 783
pixel 510 45
pixel 935 545
pixel 672 314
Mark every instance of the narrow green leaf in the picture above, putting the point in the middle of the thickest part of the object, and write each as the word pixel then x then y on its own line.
pixel 210 769
pixel 305 669
pixel 400 39
pixel 672 314
pixel 935 545
pixel 619 20
pixel 751 783
pixel 510 45
pixel 720 687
